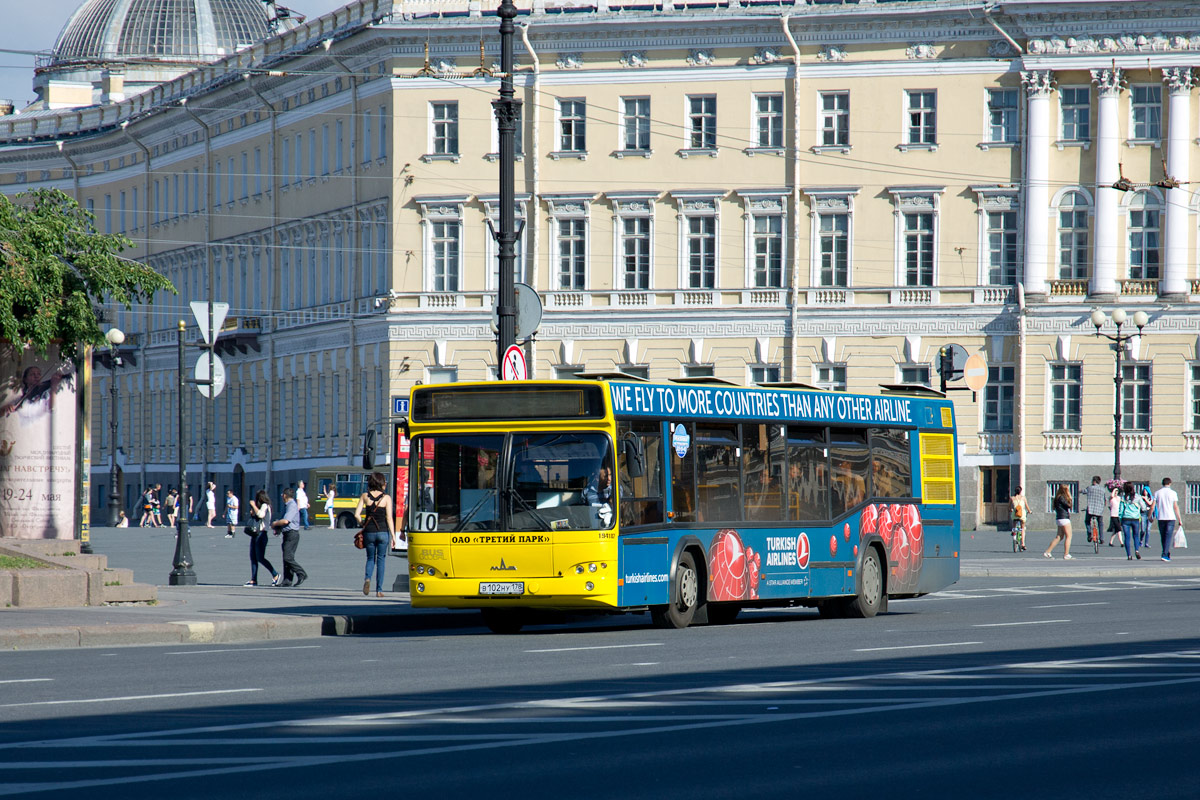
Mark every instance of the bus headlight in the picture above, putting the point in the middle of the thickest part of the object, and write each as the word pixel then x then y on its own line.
pixel 589 586
pixel 420 587
pixel 591 567
pixel 420 569
pixel 432 572
pixel 579 569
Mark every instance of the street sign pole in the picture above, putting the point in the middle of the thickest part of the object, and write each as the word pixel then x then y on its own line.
pixel 183 574
pixel 507 110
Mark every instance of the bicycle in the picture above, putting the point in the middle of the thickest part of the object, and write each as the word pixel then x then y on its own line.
pixel 1018 535
pixel 1094 535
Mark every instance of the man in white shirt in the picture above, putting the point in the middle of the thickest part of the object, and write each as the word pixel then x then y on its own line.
pixel 302 504
pixel 1166 509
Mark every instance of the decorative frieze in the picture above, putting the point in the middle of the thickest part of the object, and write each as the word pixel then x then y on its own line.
pixel 701 58
pixel 832 52
pixel 765 55
pixel 634 59
pixel 1125 43
pixel 922 51
pixel 569 61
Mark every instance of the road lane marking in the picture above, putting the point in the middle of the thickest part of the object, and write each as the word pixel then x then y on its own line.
pixel 242 650
pixel 597 647
pixel 1027 622
pixel 913 646
pixel 1072 605
pixel 27 680
pixel 85 701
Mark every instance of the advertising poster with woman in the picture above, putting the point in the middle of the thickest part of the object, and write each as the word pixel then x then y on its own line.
pixel 37 445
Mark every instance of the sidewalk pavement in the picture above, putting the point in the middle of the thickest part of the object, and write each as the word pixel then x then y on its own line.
pixel 220 610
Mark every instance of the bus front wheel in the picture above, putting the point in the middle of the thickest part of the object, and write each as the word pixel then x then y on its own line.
pixel 685 596
pixel 503 620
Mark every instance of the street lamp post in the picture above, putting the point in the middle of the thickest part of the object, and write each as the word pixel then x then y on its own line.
pixel 1119 340
pixel 508 110
pixel 115 338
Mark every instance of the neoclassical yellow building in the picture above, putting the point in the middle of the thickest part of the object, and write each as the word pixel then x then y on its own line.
pixel 817 193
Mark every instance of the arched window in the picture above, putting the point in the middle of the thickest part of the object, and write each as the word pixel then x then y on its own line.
pixel 1144 237
pixel 1073 244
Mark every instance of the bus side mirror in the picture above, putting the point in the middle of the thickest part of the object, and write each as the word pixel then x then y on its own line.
pixel 369 449
pixel 635 459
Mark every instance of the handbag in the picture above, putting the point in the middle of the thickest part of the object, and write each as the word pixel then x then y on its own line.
pixel 1180 540
pixel 360 540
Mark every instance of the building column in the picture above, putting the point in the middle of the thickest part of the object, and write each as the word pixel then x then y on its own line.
pixel 1105 240
pixel 1037 187
pixel 1175 284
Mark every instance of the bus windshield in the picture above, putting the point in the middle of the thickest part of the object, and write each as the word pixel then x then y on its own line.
pixel 550 482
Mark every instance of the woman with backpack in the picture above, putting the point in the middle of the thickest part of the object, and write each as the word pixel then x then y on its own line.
pixel 1130 515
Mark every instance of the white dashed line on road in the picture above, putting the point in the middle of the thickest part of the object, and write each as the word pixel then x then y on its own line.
pixel 596 647
pixel 913 646
pixel 1027 622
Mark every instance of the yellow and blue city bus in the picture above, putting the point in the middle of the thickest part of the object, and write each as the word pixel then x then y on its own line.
pixel 689 501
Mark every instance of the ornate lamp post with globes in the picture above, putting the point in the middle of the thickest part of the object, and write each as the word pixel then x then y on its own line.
pixel 1119 340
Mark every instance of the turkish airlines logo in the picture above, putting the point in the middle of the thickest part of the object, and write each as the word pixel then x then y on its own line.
pixel 802 550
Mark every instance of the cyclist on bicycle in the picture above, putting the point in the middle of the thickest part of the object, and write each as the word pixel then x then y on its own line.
pixel 1097 504
pixel 1020 513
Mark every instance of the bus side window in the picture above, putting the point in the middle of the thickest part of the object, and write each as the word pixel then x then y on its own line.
pixel 808 474
pixel 641 498
pixel 850 461
pixel 891 463
pixel 718 473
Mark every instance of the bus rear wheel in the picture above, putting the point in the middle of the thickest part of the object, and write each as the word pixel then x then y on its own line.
pixel 870 599
pixel 685 596
pixel 503 621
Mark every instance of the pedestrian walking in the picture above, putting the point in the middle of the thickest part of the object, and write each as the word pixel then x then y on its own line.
pixel 1145 502
pixel 330 496
pixel 1131 519
pixel 1062 516
pixel 1020 513
pixel 374 512
pixel 1166 511
pixel 172 504
pixel 210 502
pixel 147 519
pixel 1097 500
pixel 289 527
pixel 260 517
pixel 156 508
pixel 231 513
pixel 1114 513
pixel 302 504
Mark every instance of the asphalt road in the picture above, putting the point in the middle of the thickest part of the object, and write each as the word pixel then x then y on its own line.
pixel 991 689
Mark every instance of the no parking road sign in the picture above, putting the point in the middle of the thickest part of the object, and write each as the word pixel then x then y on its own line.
pixel 514 367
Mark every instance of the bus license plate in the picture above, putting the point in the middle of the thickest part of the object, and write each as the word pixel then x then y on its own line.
pixel 502 588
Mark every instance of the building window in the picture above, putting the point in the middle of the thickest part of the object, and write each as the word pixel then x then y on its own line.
pixel 635 253
pixel 1066 397
pixel 918 249
pixel 636 122
pixel 915 374
pixel 367 140
pixel 768 120
pixel 1146 112
pixel 1193 497
pixel 702 252
pixel 998 397
pixel 922 118
pixel 337 158
pixel 1073 237
pixel 835 119
pixel 312 153
pixel 637 370
pixel 1195 394
pixel 446 236
pixel 445 129
pixel 442 374
pixel 768 251
pixel 764 373
pixel 1002 247
pixel 245 176
pixel 572 126
pixel 325 149
pixel 1002 116
pixel 831 377
pixel 572 254
pixel 298 155
pixel 568 372
pixel 1076 106
pixel 1135 397
pixel 833 232
pixel 383 131
pixel 1144 237
pixel 698 371
pixel 702 123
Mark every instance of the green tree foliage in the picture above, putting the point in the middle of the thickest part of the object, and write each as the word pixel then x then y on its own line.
pixel 55 268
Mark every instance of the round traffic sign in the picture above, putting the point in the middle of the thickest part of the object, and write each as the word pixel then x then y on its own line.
pixel 218 379
pixel 976 372
pixel 514 367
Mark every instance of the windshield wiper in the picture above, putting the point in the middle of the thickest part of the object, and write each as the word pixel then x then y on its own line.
pixel 474 509
pixel 533 512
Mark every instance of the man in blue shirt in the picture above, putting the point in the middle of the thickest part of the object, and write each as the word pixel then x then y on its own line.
pixel 289 526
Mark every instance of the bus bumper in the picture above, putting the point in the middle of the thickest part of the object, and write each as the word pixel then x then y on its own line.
pixel 568 592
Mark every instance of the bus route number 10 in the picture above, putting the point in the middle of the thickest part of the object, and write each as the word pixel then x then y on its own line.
pixel 424 521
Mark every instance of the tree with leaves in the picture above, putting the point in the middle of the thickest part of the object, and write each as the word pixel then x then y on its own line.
pixel 54 270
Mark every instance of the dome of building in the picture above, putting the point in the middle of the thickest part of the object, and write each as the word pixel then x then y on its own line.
pixel 166 30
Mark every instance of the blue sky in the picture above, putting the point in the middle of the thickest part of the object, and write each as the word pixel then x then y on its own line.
pixel 35 26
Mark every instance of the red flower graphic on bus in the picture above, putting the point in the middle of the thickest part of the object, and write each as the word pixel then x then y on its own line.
pixel 899 526
pixel 733 568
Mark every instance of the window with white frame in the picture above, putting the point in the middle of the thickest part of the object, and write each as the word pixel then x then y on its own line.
pixel 445 128
pixel 1135 397
pixel 701 252
pixel 312 155
pixel 768 120
pixel 835 119
pixel 572 254
pixel 635 229
pixel 383 131
pixel 1073 242
pixel 325 149
pixel 702 122
pixel 1144 239
pixel 1002 116
pixel 918 248
pixel 635 123
pixel 698 371
pixel 296 161
pixel 572 126
pixel 1075 105
pixel 1002 247
pixel 764 373
pixel 1066 397
pixel 445 244
pixel 998 397
pixel 831 377
pixel 922 117
pixel 1145 107
pixel 442 374
pixel 768 251
pixel 1194 392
